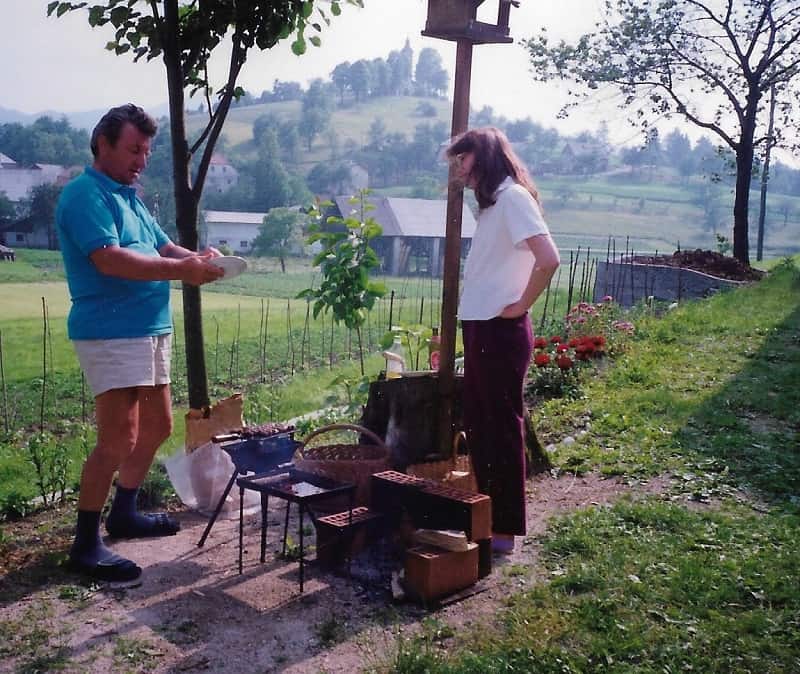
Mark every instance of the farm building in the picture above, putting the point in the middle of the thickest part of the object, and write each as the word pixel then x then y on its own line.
pixel 234 229
pixel 16 180
pixel 413 232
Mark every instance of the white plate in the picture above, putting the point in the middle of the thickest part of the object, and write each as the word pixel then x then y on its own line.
pixel 232 265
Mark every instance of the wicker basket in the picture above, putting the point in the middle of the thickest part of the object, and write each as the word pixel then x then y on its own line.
pixel 345 462
pixel 456 471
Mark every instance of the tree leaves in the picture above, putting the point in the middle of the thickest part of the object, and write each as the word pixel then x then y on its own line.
pixel 345 261
pixel 140 29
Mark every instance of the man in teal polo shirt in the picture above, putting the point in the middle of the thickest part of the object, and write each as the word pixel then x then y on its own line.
pixel 119 264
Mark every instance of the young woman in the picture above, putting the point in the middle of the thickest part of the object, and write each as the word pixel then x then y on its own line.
pixel 509 265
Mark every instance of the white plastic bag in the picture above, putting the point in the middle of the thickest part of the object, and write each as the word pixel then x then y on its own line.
pixel 200 479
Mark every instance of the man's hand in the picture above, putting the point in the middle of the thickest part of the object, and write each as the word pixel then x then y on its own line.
pixel 123 263
pixel 197 269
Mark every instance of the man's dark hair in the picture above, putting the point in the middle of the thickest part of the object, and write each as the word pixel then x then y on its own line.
pixel 110 124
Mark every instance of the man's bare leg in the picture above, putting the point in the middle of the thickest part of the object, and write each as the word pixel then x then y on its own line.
pixel 155 426
pixel 117 416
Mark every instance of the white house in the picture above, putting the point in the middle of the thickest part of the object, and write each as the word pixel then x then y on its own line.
pixel 221 175
pixel 16 181
pixel 234 229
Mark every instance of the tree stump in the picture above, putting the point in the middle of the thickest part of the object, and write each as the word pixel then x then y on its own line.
pixel 404 413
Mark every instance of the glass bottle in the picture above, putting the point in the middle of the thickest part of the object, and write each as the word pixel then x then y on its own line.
pixel 395 359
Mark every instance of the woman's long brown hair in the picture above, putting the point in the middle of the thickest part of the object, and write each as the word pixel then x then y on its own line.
pixel 495 159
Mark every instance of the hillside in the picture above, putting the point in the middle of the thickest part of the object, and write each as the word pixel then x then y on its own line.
pixel 652 210
pixel 350 124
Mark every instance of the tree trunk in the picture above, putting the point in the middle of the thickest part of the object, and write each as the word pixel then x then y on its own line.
pixel 762 211
pixel 744 174
pixel 186 208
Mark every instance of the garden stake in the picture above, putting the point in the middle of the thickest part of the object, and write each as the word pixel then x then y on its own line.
pixel 3 384
pixel 50 352
pixel 83 397
pixel 571 280
pixel 238 338
pixel 614 260
pixel 605 278
pixel 587 268
pixel 546 299
pixel 430 298
pixel 391 310
pixel 644 289
pixel 330 355
pixel 216 350
pixel 630 264
pixel 555 294
pixel 303 338
pixel 44 365
pixel 260 343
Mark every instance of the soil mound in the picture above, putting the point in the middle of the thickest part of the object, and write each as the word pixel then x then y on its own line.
pixel 706 261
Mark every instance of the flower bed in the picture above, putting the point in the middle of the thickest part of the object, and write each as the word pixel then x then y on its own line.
pixel 591 332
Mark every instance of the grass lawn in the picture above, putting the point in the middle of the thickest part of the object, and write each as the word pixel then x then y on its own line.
pixel 707 395
pixel 702 577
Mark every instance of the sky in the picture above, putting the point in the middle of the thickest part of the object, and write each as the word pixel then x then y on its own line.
pixel 51 64
pixel 61 64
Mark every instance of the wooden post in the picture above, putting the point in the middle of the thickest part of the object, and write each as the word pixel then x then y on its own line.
pixel 452 253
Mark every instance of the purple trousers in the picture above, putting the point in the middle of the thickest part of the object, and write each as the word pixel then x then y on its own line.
pixel 497 353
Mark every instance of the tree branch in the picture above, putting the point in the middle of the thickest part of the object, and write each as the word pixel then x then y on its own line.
pixel 238 55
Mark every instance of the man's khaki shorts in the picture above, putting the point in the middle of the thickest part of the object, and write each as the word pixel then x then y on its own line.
pixel 122 363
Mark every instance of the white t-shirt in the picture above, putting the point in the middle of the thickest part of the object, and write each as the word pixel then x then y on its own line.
pixel 500 263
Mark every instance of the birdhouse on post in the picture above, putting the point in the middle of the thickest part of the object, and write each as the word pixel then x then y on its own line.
pixel 457 20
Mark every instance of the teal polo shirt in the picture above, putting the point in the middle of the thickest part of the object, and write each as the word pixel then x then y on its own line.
pixel 95 211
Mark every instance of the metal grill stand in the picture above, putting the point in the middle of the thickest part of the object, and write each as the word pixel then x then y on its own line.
pixel 293 486
pixel 253 455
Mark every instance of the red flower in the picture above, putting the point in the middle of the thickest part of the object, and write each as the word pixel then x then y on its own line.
pixel 556 339
pixel 561 348
pixel 541 359
pixel 539 343
pixel 599 340
pixel 564 362
pixel 572 343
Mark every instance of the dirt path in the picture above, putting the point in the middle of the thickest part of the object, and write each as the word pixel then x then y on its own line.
pixel 194 612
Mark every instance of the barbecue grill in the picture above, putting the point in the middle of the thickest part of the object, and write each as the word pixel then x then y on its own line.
pixel 260 452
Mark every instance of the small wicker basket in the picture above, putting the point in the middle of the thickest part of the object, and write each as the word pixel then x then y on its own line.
pixel 456 471
pixel 353 463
